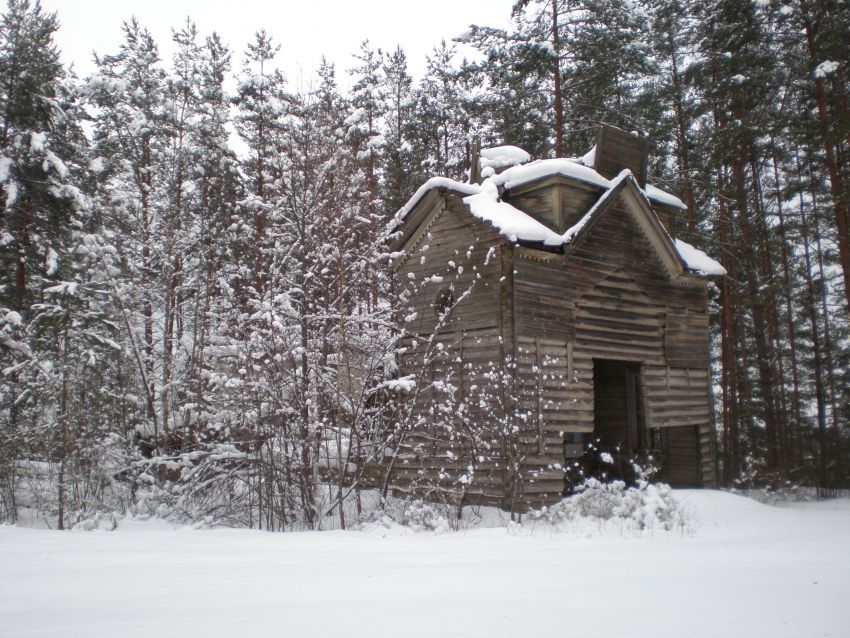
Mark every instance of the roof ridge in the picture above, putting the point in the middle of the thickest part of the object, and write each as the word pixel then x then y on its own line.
pixel 602 202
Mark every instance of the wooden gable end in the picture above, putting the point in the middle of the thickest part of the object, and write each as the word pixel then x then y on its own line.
pixel 623 237
pixel 624 221
pixel 454 258
pixel 634 307
pixel 417 220
pixel 451 261
pixel 617 294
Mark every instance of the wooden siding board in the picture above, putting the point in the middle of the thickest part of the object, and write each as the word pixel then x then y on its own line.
pixel 686 339
pixel 455 237
pixel 611 297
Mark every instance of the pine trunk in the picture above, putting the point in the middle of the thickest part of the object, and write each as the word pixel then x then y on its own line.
pixel 757 305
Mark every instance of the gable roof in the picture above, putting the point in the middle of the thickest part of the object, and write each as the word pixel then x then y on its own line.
pixel 579 169
pixel 433 183
pixel 484 202
pixel 697 261
pixel 625 187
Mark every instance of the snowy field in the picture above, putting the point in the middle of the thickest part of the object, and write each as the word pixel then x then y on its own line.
pixel 742 569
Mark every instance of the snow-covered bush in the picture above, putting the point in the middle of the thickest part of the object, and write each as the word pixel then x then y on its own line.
pixel 645 505
pixel 92 481
pixel 104 521
pixel 607 465
pixel 415 514
pixel 421 515
pixel 208 483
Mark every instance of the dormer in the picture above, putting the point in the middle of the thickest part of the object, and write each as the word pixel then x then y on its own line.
pixel 557 192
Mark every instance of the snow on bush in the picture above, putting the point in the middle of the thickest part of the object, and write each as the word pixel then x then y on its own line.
pixel 103 521
pixel 645 506
pixel 403 515
pixel 422 516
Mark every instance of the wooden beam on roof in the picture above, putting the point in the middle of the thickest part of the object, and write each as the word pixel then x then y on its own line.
pixel 475 161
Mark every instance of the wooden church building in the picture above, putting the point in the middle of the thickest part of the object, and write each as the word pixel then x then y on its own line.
pixel 550 308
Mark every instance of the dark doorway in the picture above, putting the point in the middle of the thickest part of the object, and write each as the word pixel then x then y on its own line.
pixel 617 407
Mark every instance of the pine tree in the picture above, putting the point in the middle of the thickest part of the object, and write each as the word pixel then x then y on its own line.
pixel 41 208
pixel 38 200
pixel 828 63
pixel 544 34
pixel 262 105
pixel 669 107
pixel 129 144
pixel 211 206
pixel 443 129
pixel 58 395
pixel 516 106
pixel 738 79
pixel 400 176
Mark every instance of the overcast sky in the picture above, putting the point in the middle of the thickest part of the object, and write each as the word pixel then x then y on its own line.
pixel 305 29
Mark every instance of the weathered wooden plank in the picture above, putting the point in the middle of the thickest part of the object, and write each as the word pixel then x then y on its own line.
pixel 608 300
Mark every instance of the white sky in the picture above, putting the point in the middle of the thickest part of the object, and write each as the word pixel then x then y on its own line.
pixel 305 29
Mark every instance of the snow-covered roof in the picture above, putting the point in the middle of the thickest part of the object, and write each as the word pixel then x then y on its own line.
pixel 464 188
pixel 579 169
pixel 663 197
pixel 516 225
pixel 521 172
pixel 589 158
pixel 698 261
pixel 511 222
pixel 520 175
pixel 502 156
pixel 485 203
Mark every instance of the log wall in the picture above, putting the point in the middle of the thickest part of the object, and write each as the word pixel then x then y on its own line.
pixel 452 449
pixel 610 298
pixel 613 299
pixel 451 248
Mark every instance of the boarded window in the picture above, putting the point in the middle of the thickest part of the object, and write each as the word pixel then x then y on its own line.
pixel 444 300
pixel 686 339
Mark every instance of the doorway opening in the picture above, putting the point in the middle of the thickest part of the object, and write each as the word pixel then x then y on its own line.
pixel 618 419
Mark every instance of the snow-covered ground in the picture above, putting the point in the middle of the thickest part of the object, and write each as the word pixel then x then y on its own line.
pixel 742 569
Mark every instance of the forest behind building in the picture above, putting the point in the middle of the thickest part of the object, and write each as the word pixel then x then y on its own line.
pixel 196 314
